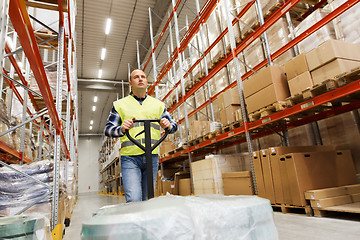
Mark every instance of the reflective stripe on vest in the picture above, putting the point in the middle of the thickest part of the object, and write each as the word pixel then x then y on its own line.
pixel 142 141
pixel 129 108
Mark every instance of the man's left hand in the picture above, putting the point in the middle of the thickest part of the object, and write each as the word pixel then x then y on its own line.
pixel 165 123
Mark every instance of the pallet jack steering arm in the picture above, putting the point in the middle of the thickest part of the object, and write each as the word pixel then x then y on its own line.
pixel 148 150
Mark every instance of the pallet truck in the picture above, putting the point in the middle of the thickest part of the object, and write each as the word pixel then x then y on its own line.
pixel 148 150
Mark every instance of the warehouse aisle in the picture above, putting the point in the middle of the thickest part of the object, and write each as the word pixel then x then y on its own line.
pixel 86 205
pixel 290 226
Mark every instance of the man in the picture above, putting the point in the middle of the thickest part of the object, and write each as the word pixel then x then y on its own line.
pixel 138 105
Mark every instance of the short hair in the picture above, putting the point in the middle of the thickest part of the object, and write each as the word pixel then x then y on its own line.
pixel 134 71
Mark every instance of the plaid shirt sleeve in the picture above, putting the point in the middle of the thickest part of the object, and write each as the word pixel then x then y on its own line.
pixel 167 115
pixel 113 125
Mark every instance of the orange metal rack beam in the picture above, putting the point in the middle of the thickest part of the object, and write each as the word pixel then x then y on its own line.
pixel 21 22
pixel 13 152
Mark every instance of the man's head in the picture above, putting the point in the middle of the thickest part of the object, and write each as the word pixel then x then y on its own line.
pixel 138 81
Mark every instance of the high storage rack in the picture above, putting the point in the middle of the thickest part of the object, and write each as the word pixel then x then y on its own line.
pixel 110 181
pixel 51 115
pixel 245 131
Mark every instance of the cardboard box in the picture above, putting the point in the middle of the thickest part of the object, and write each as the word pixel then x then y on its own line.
pixel 265 77
pixel 238 183
pixel 331 50
pixel 346 172
pixel 306 171
pixel 332 69
pixel 352 189
pixel 166 146
pixel 231 97
pixel 269 95
pixel 220 99
pixel 355 197
pixel 238 115
pixel 281 182
pixel 228 114
pixel 329 202
pixel 325 193
pixel 259 177
pixel 268 176
pixel 177 178
pixel 185 187
pixel 200 128
pixel 300 83
pixel 296 66
pixel 168 187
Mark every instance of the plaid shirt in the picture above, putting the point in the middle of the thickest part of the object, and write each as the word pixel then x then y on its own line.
pixel 113 125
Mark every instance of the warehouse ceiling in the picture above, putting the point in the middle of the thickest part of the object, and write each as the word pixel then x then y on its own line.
pixel 129 23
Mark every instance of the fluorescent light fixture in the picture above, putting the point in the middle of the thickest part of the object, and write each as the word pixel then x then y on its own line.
pixel 100 73
pixel 108 25
pixel 92 122
pixel 94 108
pixel 90 127
pixel 95 99
pixel 103 53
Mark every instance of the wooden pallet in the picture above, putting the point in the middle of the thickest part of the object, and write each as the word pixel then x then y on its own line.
pixel 212 135
pixel 268 110
pixel 352 208
pixel 231 126
pixel 347 77
pixel 285 208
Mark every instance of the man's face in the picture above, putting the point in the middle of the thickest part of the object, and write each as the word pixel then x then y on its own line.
pixel 138 80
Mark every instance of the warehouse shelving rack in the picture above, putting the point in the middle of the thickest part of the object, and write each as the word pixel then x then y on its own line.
pixel 276 122
pixel 63 142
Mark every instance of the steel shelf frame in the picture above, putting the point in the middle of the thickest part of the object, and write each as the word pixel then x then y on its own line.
pixel 19 16
pixel 338 93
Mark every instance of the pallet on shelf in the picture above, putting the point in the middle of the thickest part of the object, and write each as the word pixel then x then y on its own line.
pixel 268 110
pixel 286 208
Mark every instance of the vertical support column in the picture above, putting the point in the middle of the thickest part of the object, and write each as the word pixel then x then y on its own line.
pixel 40 140
pixel 138 54
pixel 285 133
pixel 316 131
pixel 23 128
pixel 241 92
pixel 202 49
pixel 57 153
pixel 264 35
pixel 153 54
pixel 12 73
pixel 292 34
pixel 4 18
pixel 182 89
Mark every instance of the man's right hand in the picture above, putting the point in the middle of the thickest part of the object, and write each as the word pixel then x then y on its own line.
pixel 127 124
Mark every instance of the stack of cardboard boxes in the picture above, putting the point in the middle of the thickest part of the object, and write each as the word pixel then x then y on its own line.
pixel 328 197
pixel 266 87
pixel 283 174
pixel 330 59
pixel 229 104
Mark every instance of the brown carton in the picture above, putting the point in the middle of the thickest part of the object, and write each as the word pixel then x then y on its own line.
pixel 165 147
pixel 306 171
pixel 259 177
pixel 238 183
pixel 265 77
pixel 268 176
pixel 332 69
pixel 185 187
pixel 296 66
pixel 168 187
pixel 231 97
pixel 268 95
pixel 329 202
pixel 300 83
pixel 331 50
pixel 177 178
pixel 346 173
pixel 325 193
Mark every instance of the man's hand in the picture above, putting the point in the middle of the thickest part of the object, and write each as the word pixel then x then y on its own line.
pixel 165 123
pixel 127 124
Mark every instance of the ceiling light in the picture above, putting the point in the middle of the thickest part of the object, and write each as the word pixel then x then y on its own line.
pixel 108 25
pixel 100 73
pixel 103 53
pixel 91 122
pixel 95 99
pixel 94 108
pixel 90 127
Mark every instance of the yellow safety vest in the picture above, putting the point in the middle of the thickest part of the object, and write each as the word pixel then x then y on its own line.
pixel 129 108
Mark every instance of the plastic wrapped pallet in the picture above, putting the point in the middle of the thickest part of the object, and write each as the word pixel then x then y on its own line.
pixel 314 40
pixel 177 217
pixel 254 53
pixel 278 35
pixel 207 173
pixel 348 22
pixel 4 124
pixel 232 70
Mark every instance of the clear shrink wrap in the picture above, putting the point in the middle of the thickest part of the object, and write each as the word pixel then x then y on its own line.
pixel 4 124
pixel 254 54
pixel 348 22
pixel 178 217
pixel 314 40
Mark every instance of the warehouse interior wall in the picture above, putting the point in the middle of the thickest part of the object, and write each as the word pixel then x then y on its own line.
pixel 88 164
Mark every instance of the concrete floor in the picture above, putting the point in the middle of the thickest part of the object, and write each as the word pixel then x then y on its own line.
pixel 290 226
